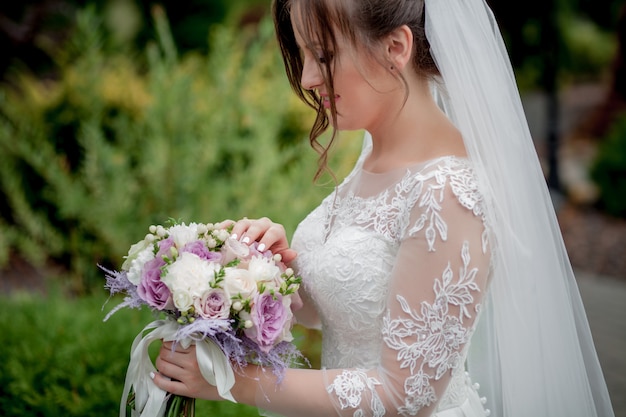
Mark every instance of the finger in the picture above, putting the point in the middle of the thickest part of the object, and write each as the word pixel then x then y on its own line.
pixel 272 237
pixel 224 224
pixel 289 255
pixel 172 348
pixel 241 229
pixel 167 384
pixel 168 366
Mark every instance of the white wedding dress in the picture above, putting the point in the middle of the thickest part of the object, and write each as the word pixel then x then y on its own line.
pixel 396 266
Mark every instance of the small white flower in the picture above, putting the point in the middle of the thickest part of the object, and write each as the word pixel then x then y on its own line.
pixel 160 231
pixel 237 306
pixel 222 234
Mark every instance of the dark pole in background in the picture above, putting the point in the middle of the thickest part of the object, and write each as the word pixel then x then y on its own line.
pixel 550 51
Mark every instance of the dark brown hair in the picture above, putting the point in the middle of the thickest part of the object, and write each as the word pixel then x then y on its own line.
pixel 364 23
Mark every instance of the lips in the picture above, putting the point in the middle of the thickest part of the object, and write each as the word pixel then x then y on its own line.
pixel 326 100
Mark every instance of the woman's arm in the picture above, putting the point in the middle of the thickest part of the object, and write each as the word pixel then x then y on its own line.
pixel 253 386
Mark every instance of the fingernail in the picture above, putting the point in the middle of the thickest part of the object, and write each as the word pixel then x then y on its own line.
pixel 246 239
pixel 151 375
pixel 234 236
pixel 261 247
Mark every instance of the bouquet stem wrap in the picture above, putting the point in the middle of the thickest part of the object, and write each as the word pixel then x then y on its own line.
pixel 150 400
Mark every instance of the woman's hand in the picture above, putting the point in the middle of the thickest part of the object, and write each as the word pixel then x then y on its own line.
pixel 271 236
pixel 179 373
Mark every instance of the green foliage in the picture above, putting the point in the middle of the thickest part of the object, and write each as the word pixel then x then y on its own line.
pixel 609 170
pixel 589 49
pixel 90 161
pixel 60 360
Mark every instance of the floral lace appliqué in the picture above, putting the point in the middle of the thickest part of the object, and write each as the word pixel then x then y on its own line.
pixel 429 342
pixel 349 387
pixel 463 185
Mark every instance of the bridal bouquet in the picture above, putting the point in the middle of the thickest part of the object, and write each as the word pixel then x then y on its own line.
pixel 229 298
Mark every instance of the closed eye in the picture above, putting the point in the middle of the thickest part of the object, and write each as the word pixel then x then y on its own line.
pixel 324 60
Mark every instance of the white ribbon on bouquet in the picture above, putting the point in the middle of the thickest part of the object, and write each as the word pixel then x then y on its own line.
pixel 150 400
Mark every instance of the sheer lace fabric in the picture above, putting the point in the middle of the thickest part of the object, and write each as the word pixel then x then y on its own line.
pixel 396 265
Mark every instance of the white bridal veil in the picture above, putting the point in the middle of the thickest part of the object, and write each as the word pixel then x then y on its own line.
pixel 533 352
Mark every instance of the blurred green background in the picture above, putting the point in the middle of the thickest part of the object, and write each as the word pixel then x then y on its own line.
pixel 118 114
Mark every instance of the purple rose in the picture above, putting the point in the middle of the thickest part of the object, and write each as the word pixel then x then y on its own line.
pixel 270 318
pixel 213 304
pixel 164 247
pixel 151 288
pixel 198 248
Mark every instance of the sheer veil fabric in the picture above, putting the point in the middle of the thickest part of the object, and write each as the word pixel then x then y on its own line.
pixel 532 352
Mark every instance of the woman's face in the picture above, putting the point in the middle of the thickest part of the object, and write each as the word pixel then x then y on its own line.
pixel 364 90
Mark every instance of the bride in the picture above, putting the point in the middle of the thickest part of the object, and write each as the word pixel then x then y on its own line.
pixel 436 270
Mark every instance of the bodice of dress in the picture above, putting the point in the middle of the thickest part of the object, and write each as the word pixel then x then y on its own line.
pixel 395 265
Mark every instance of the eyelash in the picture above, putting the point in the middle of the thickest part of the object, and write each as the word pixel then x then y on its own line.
pixel 322 60
pixel 320 57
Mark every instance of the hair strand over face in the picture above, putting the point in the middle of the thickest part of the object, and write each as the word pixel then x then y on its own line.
pixel 364 23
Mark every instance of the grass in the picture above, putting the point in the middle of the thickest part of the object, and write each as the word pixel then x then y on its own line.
pixel 61 359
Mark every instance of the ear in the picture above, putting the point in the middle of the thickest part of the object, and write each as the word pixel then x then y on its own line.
pixel 399 47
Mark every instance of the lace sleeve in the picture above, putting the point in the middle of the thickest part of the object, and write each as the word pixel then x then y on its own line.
pixel 436 288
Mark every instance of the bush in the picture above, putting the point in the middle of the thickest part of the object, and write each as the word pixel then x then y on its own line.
pixel 90 161
pixel 589 50
pixel 609 170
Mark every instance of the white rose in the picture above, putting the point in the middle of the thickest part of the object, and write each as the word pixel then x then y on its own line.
pixel 239 282
pixel 183 234
pixel 183 300
pixel 134 251
pixel 264 270
pixel 190 274
pixel 136 265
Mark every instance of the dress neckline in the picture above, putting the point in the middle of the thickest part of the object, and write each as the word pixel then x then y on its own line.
pixel 414 166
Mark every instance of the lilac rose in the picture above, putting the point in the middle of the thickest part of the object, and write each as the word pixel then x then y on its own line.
pixel 270 318
pixel 199 249
pixel 234 249
pixel 213 304
pixel 151 288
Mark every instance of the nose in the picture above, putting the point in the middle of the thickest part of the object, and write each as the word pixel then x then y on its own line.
pixel 311 74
